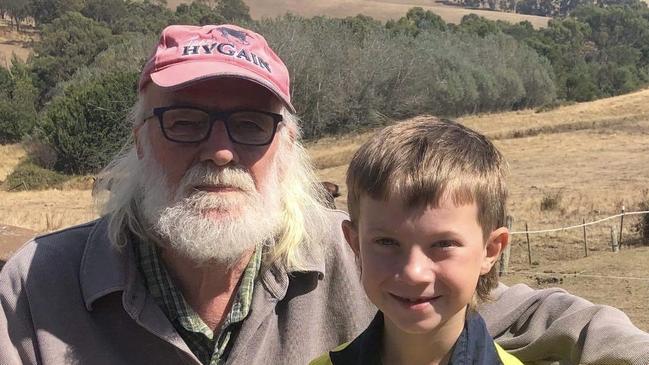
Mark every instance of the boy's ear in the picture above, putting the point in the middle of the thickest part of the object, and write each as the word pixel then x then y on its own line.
pixel 496 243
pixel 351 236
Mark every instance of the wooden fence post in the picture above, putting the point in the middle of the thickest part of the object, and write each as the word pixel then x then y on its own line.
pixel 585 242
pixel 614 245
pixel 504 258
pixel 619 242
pixel 529 247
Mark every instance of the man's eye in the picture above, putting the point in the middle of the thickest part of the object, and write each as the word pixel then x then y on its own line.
pixel 248 126
pixel 184 123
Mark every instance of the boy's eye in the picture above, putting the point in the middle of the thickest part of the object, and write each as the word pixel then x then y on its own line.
pixel 386 242
pixel 444 244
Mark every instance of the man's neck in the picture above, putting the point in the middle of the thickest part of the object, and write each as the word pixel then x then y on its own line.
pixel 209 288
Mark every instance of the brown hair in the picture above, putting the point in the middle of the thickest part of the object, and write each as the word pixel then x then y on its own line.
pixel 426 159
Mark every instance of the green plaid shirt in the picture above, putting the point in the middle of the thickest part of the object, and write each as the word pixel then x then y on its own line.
pixel 209 348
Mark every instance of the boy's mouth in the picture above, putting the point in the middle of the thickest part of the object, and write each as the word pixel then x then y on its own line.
pixel 413 301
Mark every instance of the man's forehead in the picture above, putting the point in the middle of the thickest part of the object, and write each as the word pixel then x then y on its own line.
pixel 231 92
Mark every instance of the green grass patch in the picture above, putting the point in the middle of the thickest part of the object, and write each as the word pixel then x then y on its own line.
pixel 29 176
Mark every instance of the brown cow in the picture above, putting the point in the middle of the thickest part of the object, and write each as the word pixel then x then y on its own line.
pixel 333 191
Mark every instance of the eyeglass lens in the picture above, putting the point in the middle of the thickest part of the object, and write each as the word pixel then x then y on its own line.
pixel 193 125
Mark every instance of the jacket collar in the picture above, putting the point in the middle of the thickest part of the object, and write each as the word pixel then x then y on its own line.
pixel 474 346
pixel 106 268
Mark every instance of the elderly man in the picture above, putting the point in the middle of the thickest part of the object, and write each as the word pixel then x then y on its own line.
pixel 214 245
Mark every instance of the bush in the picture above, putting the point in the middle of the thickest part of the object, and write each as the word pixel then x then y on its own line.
pixel 374 74
pixel 85 125
pixel 17 104
pixel 29 176
pixel 551 201
pixel 642 227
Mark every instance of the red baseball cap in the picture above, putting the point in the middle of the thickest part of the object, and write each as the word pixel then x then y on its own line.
pixel 187 54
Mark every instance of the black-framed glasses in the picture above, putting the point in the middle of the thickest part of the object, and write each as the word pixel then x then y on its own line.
pixel 188 124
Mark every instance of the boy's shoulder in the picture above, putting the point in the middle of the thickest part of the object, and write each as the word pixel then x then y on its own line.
pixel 325 359
pixel 506 357
pixel 474 345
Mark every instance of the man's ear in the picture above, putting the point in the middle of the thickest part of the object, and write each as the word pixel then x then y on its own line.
pixel 138 145
pixel 496 243
pixel 351 236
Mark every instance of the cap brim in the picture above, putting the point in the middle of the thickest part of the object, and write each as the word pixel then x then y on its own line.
pixel 184 74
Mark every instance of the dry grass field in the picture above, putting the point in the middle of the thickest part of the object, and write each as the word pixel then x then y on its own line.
pixel 377 9
pixel 13 42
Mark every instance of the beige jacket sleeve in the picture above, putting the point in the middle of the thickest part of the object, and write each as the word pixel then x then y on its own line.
pixel 553 326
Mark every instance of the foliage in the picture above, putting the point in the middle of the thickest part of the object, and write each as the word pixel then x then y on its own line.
pixel 198 12
pixel 68 43
pixel 45 11
pixel 376 73
pixel 233 10
pixel 16 9
pixel 29 176
pixel 551 201
pixel 642 227
pixel 106 11
pixel 416 21
pixel 144 18
pixel 17 103
pixel 86 124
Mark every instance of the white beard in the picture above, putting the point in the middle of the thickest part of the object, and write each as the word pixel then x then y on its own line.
pixel 211 227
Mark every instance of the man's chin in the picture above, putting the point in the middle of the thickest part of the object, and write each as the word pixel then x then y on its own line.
pixel 218 214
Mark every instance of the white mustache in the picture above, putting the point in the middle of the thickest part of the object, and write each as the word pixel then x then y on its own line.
pixel 207 174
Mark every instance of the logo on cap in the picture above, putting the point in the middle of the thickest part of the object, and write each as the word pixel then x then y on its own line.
pixel 229 32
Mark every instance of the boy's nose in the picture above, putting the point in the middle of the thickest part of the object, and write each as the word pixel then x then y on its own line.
pixel 417 268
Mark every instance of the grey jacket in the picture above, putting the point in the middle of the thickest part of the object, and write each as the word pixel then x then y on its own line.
pixel 71 298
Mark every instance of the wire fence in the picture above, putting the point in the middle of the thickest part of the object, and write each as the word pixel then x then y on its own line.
pixel 580 225
pixel 616 241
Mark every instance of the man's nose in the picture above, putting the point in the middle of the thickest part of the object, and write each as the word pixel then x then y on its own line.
pixel 416 268
pixel 218 147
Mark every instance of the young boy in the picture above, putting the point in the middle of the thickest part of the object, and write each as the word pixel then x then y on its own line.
pixel 427 206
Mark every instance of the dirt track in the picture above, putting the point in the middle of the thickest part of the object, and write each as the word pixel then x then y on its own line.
pixel 11 239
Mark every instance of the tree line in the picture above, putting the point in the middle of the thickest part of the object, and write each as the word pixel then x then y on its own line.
pixel 70 99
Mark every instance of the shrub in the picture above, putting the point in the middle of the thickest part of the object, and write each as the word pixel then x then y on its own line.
pixel 85 125
pixel 551 201
pixel 642 227
pixel 39 153
pixel 17 103
pixel 29 176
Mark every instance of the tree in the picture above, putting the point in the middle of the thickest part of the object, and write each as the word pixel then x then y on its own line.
pixel 45 11
pixel 17 10
pixel 198 13
pixel 66 44
pixel 17 103
pixel 86 124
pixel 234 10
pixel 478 25
pixel 106 11
pixel 417 20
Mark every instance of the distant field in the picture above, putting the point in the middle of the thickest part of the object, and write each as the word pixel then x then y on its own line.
pixel 378 9
pixel 12 42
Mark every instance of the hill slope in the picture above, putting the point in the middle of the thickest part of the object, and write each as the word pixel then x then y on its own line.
pixel 378 9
